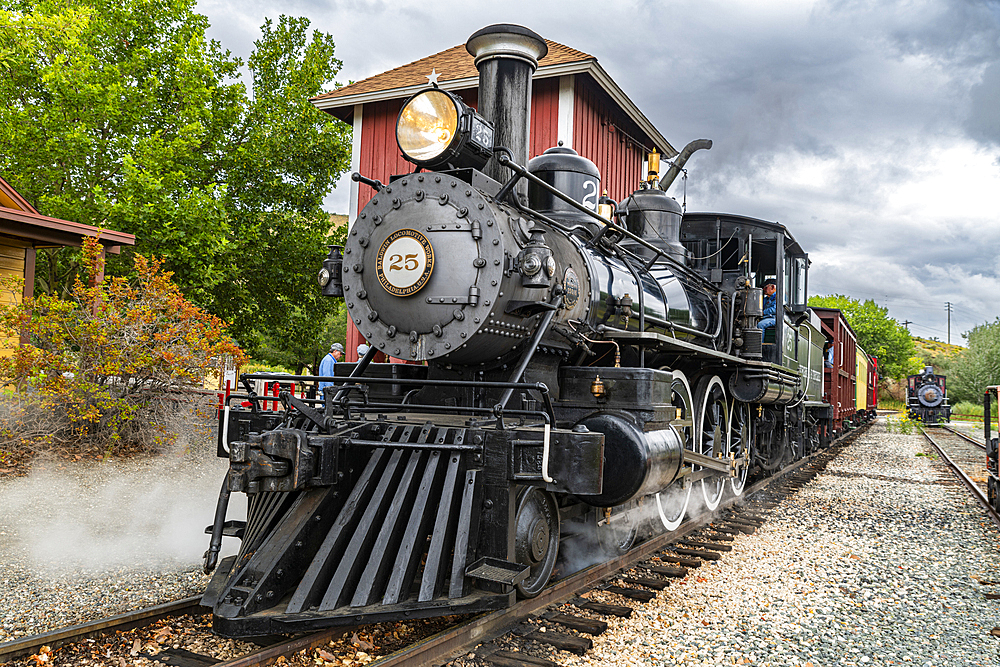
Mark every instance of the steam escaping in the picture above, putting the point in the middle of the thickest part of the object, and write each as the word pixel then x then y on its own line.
pixel 95 517
pixel 586 543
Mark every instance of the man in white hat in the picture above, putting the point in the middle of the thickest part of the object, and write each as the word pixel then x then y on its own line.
pixel 329 361
pixel 362 351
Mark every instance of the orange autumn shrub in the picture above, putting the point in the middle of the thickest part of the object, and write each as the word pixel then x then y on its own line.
pixel 103 370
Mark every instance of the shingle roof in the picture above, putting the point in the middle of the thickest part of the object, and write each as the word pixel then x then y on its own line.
pixel 450 64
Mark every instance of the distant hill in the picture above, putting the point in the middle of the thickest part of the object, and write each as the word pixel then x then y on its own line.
pixel 935 348
pixel 937 354
pixel 337 220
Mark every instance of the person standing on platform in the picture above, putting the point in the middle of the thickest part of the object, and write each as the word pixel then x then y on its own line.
pixel 329 361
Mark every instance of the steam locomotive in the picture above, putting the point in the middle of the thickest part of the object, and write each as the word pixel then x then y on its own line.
pixel 927 397
pixel 582 374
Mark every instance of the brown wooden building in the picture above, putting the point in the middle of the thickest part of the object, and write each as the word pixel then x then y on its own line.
pixel 23 230
pixel 573 100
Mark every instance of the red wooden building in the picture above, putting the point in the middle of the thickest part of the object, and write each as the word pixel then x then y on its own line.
pixel 573 100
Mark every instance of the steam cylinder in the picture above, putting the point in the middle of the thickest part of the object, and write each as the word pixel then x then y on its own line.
pixel 636 463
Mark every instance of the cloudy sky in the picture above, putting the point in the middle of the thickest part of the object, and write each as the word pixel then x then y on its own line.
pixel 870 129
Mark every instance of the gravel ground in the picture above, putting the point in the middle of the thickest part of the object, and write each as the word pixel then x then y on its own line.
pixel 869 564
pixel 88 540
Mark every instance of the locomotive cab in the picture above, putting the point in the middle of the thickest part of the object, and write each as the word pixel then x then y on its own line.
pixel 724 247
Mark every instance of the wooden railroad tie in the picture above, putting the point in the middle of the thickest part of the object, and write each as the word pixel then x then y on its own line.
pixel 508 659
pixel 715 536
pixel 991 596
pixel 670 557
pixel 656 584
pixel 741 528
pixel 706 555
pixel 179 657
pixel 632 593
pixel 697 544
pixel 604 609
pixel 740 521
pixel 591 626
pixel 562 641
pixel 667 571
pixel 726 530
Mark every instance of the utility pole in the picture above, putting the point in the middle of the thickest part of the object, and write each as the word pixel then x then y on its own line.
pixel 907 323
pixel 948 308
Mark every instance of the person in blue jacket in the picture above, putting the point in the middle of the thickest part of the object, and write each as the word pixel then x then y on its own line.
pixel 770 305
pixel 329 361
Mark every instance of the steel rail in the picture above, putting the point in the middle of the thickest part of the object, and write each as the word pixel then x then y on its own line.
pixel 133 619
pixel 485 627
pixel 974 489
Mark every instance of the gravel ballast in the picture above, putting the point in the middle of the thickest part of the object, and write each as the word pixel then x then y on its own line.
pixel 871 563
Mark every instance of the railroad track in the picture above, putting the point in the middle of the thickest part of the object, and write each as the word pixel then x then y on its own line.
pixel 966 457
pixel 964 436
pixel 133 619
pixel 700 539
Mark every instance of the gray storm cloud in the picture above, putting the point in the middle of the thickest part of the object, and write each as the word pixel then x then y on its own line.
pixel 869 128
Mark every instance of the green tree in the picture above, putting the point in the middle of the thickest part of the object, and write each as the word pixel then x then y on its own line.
pixel 121 114
pixel 978 366
pixel 878 334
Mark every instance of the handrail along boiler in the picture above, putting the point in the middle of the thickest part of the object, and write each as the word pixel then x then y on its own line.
pixel 584 374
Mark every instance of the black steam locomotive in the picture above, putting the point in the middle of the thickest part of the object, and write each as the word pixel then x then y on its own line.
pixel 927 397
pixel 588 375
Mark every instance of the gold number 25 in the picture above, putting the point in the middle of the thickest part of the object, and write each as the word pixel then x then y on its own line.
pixel 397 262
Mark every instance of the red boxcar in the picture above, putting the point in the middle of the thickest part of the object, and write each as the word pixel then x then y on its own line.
pixel 840 377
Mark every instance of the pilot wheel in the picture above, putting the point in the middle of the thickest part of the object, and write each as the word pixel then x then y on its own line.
pixel 536 538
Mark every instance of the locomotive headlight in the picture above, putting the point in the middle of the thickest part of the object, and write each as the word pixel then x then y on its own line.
pixel 531 264
pixel 323 278
pixel 436 128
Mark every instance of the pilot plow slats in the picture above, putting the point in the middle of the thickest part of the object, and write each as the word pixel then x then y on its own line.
pixel 433 576
pixel 408 557
pixel 318 574
pixel 360 545
pixel 388 538
pixel 465 527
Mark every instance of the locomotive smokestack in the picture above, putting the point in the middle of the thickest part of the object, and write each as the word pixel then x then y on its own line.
pixel 506 56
